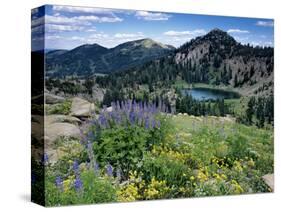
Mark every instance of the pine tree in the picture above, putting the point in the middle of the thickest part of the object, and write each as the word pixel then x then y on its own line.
pixel 250 110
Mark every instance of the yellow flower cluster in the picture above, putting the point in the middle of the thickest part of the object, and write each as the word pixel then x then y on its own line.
pixel 67 183
pixel 136 189
pixel 202 175
pixel 128 193
pixel 131 191
pixel 220 162
pixel 156 189
pixel 237 166
pixel 251 163
pixel 236 187
pixel 171 154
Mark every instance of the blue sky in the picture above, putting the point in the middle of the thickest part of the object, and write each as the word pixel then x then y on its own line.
pixel 67 27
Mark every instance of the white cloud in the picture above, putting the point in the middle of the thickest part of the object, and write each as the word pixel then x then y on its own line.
pixel 152 16
pixel 190 33
pixel 91 30
pixel 49 19
pixel 53 37
pixel 37 21
pixel 71 9
pixel 38 29
pixel 57 28
pixel 79 20
pixel 129 35
pixel 98 19
pixel 98 36
pixel 237 31
pixel 265 23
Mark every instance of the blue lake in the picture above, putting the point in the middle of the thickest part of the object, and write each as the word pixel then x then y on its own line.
pixel 210 94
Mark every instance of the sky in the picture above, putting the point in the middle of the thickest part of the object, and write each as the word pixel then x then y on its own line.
pixel 66 27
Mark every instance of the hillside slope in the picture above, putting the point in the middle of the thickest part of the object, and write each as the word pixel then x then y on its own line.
pixel 215 58
pixel 89 59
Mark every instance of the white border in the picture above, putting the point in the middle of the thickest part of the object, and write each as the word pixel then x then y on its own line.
pixel 15 103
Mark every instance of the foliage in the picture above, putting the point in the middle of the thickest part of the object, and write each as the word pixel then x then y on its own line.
pixel 126 158
pixel 59 108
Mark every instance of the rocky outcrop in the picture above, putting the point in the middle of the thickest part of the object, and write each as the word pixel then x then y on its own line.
pixel 56 130
pixel 62 119
pixel 53 99
pixel 269 180
pixel 81 108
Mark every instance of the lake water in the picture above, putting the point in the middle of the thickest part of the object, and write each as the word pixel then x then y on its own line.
pixel 210 94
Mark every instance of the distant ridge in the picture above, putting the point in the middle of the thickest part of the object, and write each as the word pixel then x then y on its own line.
pixel 94 58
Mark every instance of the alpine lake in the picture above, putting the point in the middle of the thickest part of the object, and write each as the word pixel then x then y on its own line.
pixel 202 94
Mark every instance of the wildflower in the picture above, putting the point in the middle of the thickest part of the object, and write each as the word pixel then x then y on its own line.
pixel 132 117
pixel 89 147
pixel 102 121
pixel 91 136
pixel 78 184
pixel 96 167
pixel 153 123
pixel 158 124
pixel 109 170
pixel 192 178
pixel 251 163
pixel 147 124
pixel 75 167
pixel 59 182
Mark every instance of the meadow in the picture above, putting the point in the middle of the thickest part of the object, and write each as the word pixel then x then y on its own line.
pixel 137 151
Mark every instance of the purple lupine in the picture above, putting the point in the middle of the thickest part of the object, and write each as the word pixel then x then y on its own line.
pixel 91 136
pixel 96 167
pixel 59 183
pixel 153 123
pixel 132 117
pixel 109 170
pixel 146 123
pixel 75 167
pixel 158 124
pixel 102 121
pixel 78 185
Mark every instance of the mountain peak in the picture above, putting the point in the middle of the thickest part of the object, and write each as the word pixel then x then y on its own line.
pixel 219 36
pixel 217 30
pixel 149 43
pixel 146 43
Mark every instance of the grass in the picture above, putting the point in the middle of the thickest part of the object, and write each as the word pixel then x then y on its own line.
pixel 59 108
pixel 193 156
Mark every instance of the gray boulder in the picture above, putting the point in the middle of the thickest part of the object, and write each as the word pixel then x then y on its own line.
pixel 53 99
pixel 56 130
pixel 81 108
pixel 50 119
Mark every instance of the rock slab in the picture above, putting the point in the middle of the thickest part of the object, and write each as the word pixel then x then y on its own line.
pixel 81 108
pixel 53 99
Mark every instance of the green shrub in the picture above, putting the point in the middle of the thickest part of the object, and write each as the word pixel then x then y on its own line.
pixel 93 190
pixel 59 108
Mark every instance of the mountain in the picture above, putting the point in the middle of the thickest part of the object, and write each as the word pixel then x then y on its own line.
pixel 215 58
pixel 88 59
pixel 55 53
pixel 219 59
